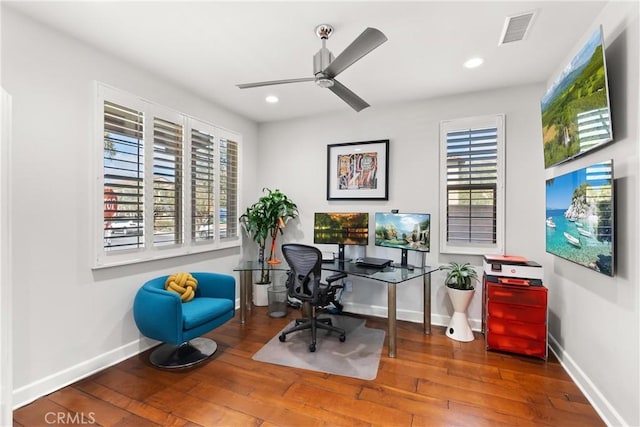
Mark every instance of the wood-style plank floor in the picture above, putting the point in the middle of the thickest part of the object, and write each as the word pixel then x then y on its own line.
pixel 434 381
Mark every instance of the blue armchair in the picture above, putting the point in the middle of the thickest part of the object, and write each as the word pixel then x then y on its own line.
pixel 161 315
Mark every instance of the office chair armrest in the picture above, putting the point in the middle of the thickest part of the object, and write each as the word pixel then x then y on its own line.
pixel 335 277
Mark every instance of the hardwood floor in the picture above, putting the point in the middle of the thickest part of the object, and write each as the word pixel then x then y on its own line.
pixel 434 381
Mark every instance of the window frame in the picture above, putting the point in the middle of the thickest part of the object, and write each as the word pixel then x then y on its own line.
pixel 103 258
pixel 475 122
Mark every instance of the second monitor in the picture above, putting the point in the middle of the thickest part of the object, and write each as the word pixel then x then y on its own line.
pixel 405 231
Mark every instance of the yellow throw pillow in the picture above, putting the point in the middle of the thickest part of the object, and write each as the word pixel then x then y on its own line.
pixel 184 284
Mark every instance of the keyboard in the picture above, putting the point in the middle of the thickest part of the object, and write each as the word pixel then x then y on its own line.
pixel 373 262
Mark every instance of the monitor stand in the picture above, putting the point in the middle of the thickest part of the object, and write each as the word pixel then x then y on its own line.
pixel 403 261
pixel 341 257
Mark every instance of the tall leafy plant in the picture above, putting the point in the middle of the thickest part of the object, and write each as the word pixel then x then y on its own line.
pixel 265 218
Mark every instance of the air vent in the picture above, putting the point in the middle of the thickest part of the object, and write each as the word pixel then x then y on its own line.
pixel 516 27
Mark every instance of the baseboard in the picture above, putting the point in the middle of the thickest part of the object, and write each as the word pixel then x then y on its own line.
pixel 601 405
pixel 30 392
pixel 24 395
pixel 406 315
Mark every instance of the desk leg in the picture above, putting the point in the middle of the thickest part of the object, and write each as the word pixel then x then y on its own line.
pixel 246 277
pixel 391 318
pixel 426 289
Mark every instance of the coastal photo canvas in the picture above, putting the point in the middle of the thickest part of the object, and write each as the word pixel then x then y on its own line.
pixel 575 109
pixel 580 217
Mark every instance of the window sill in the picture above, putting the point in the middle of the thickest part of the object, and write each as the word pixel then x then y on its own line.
pixel 109 260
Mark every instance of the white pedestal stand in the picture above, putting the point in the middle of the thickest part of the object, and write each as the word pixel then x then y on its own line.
pixel 459 328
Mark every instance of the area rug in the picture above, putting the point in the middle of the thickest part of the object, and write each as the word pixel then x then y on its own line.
pixel 357 357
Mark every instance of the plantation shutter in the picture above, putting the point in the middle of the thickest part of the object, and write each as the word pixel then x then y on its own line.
pixel 167 182
pixel 202 185
pixel 228 188
pixel 471 177
pixel 123 174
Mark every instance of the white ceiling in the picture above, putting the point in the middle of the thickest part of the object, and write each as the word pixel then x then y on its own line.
pixel 208 47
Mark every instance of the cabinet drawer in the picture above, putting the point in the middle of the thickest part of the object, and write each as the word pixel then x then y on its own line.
pixel 534 331
pixel 522 313
pixel 514 295
pixel 517 345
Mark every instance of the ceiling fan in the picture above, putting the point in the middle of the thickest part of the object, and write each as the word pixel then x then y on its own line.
pixel 326 67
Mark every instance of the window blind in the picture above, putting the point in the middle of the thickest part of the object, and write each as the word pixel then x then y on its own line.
pixel 167 182
pixel 202 185
pixel 472 177
pixel 228 188
pixel 123 174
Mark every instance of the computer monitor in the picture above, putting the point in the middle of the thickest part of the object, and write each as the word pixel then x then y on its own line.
pixel 405 231
pixel 341 228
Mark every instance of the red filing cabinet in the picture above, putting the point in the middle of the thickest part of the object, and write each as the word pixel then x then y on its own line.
pixel 515 315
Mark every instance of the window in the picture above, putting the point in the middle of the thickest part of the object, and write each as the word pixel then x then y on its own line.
pixel 167 184
pixel 214 178
pixel 472 185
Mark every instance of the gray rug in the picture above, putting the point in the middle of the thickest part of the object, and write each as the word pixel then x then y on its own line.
pixel 357 357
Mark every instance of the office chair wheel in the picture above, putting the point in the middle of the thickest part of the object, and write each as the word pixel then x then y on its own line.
pixel 312 347
pixel 282 337
pixel 342 338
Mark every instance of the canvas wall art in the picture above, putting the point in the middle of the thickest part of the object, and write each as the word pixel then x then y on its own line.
pixel 575 109
pixel 580 217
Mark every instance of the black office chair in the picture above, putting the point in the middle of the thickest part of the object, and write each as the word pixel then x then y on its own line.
pixel 303 283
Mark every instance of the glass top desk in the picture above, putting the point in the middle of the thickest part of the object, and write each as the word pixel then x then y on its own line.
pixel 392 276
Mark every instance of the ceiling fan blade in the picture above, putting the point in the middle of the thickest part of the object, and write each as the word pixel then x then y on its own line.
pixel 347 96
pixel 275 82
pixel 370 39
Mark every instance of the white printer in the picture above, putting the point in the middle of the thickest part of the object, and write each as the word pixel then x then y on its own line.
pixel 511 266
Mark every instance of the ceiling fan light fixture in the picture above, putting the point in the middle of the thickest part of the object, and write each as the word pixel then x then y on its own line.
pixel 324 82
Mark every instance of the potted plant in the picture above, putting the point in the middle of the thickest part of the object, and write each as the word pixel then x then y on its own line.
pixel 265 218
pixel 460 288
pixel 460 276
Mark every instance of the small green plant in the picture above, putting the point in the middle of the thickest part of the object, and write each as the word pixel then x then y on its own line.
pixel 460 276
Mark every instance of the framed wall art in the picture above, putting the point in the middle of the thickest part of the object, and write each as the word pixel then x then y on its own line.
pixel 358 171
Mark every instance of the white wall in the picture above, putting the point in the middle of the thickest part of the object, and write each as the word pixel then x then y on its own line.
pixel 69 320
pixel 413 129
pixel 594 320
pixel 6 391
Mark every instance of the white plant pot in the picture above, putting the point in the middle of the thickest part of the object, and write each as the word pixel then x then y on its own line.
pixel 261 294
pixel 459 328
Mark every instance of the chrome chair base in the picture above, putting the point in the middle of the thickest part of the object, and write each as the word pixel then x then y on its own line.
pixel 314 323
pixel 185 355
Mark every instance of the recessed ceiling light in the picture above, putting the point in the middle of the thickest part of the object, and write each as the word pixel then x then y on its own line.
pixel 473 63
pixel 271 99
